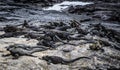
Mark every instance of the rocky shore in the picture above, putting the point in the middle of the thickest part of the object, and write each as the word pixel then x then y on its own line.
pixel 77 37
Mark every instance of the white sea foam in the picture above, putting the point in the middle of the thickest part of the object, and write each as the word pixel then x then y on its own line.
pixel 66 4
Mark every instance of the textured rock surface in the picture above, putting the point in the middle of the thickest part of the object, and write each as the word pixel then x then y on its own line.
pixel 16 13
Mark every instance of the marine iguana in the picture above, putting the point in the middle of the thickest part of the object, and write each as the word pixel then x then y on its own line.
pixel 31 27
pixel 60 37
pixel 102 31
pixel 59 60
pixel 57 24
pixel 63 28
pixel 12 34
pixel 11 28
pixel 61 34
pixel 1 28
pixel 25 46
pixel 33 35
pixel 74 23
pixel 16 52
pixel 49 38
pixel 46 43
pixel 47 26
pixel 81 31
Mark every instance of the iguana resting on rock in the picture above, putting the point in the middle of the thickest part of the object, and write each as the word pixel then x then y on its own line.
pixel 61 34
pixel 20 50
pixel 46 43
pixel 59 60
pixel 12 34
pixel 12 28
pixel 50 38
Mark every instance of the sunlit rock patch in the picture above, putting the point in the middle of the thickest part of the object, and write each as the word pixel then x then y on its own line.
pixel 13 40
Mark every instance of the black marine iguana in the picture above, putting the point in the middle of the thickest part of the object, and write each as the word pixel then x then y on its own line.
pixel 18 51
pixel 61 35
pixel 12 28
pixel 59 60
pixel 12 34
pixel 46 43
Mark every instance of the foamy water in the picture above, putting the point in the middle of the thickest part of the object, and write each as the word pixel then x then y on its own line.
pixel 66 4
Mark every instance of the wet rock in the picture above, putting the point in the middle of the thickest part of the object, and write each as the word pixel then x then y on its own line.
pixel 104 11
pixel 42 2
pixel 108 1
pixel 81 9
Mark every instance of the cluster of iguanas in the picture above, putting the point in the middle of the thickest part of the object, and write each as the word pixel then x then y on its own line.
pixel 111 37
pixel 18 50
pixel 48 35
